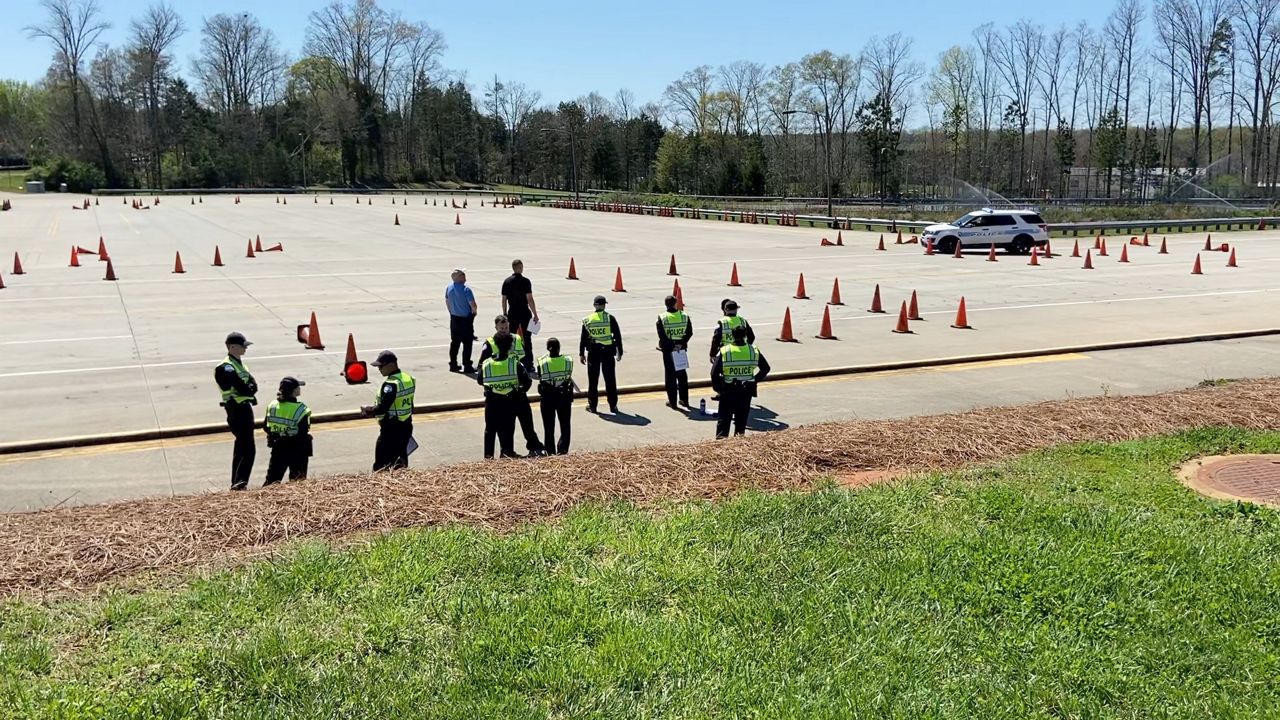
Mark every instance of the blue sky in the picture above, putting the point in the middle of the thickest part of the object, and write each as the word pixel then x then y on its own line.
pixel 641 46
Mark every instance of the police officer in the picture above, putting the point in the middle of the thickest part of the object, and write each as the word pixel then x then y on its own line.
pixel 519 351
pixel 555 396
pixel 674 331
pixel 239 395
pixel 723 334
pixel 288 426
pixel 734 374
pixel 393 406
pixel 503 377
pixel 599 347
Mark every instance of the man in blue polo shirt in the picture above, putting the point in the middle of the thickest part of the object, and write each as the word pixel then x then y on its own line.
pixel 461 303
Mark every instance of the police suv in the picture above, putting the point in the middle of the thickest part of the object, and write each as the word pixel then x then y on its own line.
pixel 1014 230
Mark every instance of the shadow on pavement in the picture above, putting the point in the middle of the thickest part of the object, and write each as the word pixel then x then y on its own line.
pixel 623 418
pixel 763 419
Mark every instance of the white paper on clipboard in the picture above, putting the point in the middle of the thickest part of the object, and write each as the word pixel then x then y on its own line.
pixel 680 360
pixel 534 327
pixel 413 445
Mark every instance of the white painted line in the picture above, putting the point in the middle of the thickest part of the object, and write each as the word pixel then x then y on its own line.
pixel 64 297
pixel 210 362
pixel 58 340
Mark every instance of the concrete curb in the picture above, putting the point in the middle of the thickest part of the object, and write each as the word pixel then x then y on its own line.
pixel 457 405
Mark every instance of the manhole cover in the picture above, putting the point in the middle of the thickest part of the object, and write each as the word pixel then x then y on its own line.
pixel 1255 478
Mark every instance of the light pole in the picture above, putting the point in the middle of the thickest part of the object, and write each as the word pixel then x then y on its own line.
pixel 573 155
pixel 302 151
pixel 826 148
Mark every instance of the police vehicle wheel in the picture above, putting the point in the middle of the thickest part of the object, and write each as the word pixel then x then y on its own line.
pixel 947 245
pixel 1021 245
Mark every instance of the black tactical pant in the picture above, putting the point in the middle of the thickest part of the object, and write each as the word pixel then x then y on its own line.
pixel 735 408
pixel 392 450
pixel 601 360
pixel 240 420
pixel 556 405
pixel 677 381
pixel 288 453
pixel 500 423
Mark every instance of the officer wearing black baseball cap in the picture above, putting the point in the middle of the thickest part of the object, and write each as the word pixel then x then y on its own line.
pixel 393 406
pixel 239 395
pixel 288 425
pixel 599 347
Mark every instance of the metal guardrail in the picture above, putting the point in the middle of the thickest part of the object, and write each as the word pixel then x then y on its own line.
pixel 892 225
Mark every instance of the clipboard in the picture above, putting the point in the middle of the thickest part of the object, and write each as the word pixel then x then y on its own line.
pixel 680 360
pixel 413 445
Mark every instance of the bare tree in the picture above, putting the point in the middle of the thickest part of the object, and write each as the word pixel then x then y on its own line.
pixel 512 102
pixel 239 64
pixel 1257 39
pixel 1194 30
pixel 951 90
pixel 151 36
pixel 832 85
pixel 687 98
pixel 780 95
pixel 1055 57
pixel 73 26
pixel 890 69
pixel 744 81
pixel 1017 57
pixel 986 40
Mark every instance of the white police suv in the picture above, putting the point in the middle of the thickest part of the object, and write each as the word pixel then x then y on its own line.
pixel 1014 230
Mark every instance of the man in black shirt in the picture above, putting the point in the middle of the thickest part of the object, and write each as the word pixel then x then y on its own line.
pixel 519 306
pixel 239 395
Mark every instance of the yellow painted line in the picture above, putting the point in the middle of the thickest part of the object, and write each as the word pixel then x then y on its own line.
pixel 53 228
pixel 325 428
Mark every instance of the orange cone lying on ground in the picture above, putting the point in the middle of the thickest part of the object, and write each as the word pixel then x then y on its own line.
pixel 787 335
pixel 962 317
pixel 902 326
pixel 826 243
pixel 824 333
pixel 617 282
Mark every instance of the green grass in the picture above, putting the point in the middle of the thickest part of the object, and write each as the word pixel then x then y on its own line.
pixel 13 181
pixel 1079 582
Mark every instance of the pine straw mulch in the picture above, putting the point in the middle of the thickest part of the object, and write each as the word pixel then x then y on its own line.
pixel 68 549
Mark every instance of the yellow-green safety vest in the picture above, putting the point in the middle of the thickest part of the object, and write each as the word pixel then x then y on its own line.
pixel 402 408
pixel 556 370
pixel 738 363
pixel 517 346
pixel 599 327
pixel 674 323
pixel 501 376
pixel 230 395
pixel 727 324
pixel 284 417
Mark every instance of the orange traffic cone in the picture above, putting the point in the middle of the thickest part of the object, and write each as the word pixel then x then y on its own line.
pixel 671 269
pixel 839 238
pixel 111 271
pixel 733 278
pixel 457 219
pixel 1164 247
pixel 787 335
pixel 928 248
pixel 1208 243
pixel 351 350
pixel 835 294
pixel 257 243
pixel 875 301
pixel 899 240
pixel 313 335
pixel 249 252
pixel 397 219
pixel 1231 261
pixel 102 250
pixel 573 271
pixel 278 247
pixel 959 248
pixel 991 256
pixel 1088 259
pixel 1124 253
pixel 75 257
pixel 177 264
pixel 824 333
pixel 1035 257
pixel 1075 252
pixel 1146 241
pixel 1097 242
pixel 1048 251
pixel 617 282
pixel 913 308
pixel 1195 269
pixel 962 318
pixel 801 294
pixel 679 296
pixel 1102 250
pixel 1 282
pixel 903 327
pixel 881 245
pixel 217 256
pixel 17 265
pixel 826 243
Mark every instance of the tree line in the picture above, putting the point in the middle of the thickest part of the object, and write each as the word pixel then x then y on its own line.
pixel 1156 100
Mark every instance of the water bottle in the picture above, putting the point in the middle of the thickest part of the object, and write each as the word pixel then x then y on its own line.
pixel 702 406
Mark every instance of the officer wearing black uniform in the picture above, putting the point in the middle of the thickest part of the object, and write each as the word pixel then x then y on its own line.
pixel 555 396
pixel 288 425
pixel 522 354
pixel 734 374
pixel 723 332
pixel 674 331
pixel 394 409
pixel 599 348
pixel 503 376
pixel 239 395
